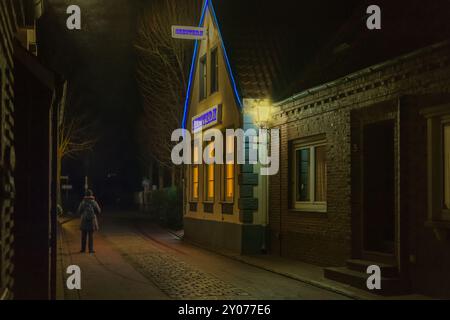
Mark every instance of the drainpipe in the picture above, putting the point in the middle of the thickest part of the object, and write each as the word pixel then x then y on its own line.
pixel 38 8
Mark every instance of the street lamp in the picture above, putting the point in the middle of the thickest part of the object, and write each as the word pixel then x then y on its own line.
pixel 262 112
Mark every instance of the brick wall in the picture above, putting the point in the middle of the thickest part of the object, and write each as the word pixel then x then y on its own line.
pixel 310 236
pixel 326 239
pixel 7 159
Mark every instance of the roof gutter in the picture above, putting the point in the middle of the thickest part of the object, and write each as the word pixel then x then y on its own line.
pixel 363 72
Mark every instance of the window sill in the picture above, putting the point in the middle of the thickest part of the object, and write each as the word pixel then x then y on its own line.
pixel 309 213
pixel 310 207
pixel 441 228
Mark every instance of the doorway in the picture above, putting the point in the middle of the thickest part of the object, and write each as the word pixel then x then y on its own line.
pixel 378 216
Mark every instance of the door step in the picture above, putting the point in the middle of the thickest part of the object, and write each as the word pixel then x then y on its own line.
pixel 387 270
pixel 355 275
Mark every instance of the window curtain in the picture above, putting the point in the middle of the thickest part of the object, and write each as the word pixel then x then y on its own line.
pixel 321 174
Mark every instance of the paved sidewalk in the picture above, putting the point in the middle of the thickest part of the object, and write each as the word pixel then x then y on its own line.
pixel 307 273
pixel 304 272
pixel 105 274
pixel 313 275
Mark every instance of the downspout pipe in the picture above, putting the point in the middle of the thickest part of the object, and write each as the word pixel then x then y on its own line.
pixel 38 8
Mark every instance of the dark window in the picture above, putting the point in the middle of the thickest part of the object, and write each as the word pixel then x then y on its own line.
pixel 193 206
pixel 227 208
pixel 214 71
pixel 208 207
pixel 303 180
pixel 202 77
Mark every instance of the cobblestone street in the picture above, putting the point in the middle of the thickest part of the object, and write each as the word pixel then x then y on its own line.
pixel 135 259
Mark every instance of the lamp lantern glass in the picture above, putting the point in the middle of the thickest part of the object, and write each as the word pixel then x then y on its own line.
pixel 263 114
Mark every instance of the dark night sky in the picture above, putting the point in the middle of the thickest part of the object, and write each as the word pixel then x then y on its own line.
pixel 98 61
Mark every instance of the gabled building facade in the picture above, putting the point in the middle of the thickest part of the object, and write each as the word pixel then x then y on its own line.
pixel 221 210
pixel 244 64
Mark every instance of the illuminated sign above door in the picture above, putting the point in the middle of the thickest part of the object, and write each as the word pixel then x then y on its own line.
pixel 192 33
pixel 207 119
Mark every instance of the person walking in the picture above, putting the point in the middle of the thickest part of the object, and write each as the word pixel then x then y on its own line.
pixel 88 209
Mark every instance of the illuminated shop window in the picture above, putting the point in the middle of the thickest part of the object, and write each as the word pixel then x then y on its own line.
pixel 214 71
pixel 309 176
pixel 195 183
pixel 229 173
pixel 202 77
pixel 446 166
pixel 195 175
pixel 210 175
pixel 229 182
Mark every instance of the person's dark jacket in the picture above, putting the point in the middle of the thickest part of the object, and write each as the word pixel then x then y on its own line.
pixel 88 222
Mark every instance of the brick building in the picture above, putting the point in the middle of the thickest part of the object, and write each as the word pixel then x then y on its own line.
pixel 238 70
pixel 371 127
pixel 29 106
pixel 365 156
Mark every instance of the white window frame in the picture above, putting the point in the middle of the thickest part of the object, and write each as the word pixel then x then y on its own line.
pixel 437 118
pixel 312 205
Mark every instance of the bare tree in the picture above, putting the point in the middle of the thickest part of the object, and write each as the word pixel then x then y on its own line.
pixel 74 131
pixel 162 74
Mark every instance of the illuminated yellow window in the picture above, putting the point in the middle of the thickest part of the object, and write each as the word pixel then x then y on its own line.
pixel 229 177
pixel 210 176
pixel 195 175
pixel 229 171
pixel 195 183
pixel 195 154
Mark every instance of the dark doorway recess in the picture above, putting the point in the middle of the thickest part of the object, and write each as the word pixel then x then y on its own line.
pixel 379 187
pixel 35 132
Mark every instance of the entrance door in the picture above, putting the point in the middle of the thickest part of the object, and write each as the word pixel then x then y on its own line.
pixel 35 181
pixel 378 188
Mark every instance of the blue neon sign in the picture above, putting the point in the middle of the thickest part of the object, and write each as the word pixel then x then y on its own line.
pixel 195 33
pixel 198 33
pixel 206 119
